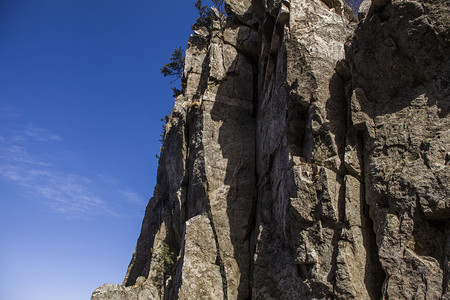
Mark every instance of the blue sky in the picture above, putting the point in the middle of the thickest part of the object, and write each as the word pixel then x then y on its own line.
pixel 81 99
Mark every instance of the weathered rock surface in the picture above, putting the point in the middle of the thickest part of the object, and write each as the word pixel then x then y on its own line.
pixel 307 158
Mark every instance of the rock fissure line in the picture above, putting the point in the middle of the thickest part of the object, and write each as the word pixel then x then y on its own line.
pixel 219 261
pixel 371 247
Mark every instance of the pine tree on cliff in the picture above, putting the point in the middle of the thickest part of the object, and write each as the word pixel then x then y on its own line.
pixel 205 18
pixel 175 68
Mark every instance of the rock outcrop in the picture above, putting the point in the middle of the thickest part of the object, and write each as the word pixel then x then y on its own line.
pixel 307 158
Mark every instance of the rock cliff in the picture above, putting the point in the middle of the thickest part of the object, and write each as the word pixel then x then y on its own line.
pixel 307 158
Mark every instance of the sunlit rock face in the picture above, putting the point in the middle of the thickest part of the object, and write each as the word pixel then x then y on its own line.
pixel 307 158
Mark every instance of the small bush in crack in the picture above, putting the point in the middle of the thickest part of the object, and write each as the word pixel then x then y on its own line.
pixel 165 256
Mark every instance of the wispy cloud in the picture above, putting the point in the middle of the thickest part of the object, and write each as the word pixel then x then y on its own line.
pixel 19 154
pixel 131 196
pixel 39 134
pixel 8 113
pixel 61 190
pixel 30 133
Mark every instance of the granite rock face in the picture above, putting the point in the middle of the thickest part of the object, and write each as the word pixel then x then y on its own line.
pixel 307 158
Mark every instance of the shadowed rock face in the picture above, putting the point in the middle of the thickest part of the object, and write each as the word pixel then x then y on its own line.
pixel 307 158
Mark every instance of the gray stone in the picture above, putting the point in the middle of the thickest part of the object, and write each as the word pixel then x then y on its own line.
pixel 201 274
pixel 363 9
pixel 240 8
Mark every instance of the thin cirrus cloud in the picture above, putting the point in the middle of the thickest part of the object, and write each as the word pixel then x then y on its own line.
pixel 39 134
pixel 61 192
pixel 55 186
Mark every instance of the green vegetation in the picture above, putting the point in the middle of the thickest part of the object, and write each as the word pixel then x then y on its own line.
pixel 206 15
pixel 163 130
pixel 319 153
pixel 165 257
pixel 175 68
pixel 219 5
